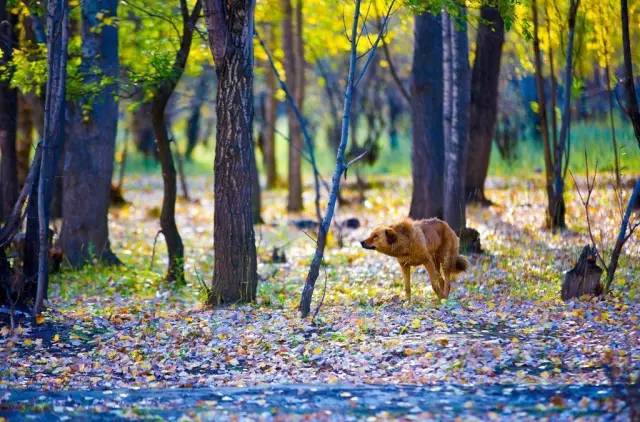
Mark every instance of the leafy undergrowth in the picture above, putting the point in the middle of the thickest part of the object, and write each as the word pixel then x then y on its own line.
pixel 124 327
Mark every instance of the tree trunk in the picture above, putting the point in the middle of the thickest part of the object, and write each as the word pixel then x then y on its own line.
pixel 142 130
pixel 270 118
pixel 53 140
pixel 341 166
pixel 24 142
pixel 195 116
pixel 256 202
pixel 457 95
pixel 292 67
pixel 542 115
pixel 628 82
pixel 175 248
pixel 230 28
pixel 8 117
pixel 427 119
pixel 90 150
pixel 484 100
pixel 556 203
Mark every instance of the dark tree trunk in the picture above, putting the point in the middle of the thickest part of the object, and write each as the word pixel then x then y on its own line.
pixel 230 28
pixel 292 67
pixel 175 248
pixel 426 116
pixel 270 117
pixel 194 122
pixel 484 100
pixel 90 150
pixel 142 130
pixel 8 117
pixel 628 82
pixel 457 96
pixel 24 142
pixel 53 140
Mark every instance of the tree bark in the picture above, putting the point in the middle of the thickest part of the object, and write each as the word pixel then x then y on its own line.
pixel 161 95
pixel 427 119
pixel 8 116
pixel 53 140
pixel 230 28
pixel 24 141
pixel 457 95
pixel 629 87
pixel 484 100
pixel 292 67
pixel 89 152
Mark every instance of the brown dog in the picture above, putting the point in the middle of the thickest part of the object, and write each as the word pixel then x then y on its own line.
pixel 430 242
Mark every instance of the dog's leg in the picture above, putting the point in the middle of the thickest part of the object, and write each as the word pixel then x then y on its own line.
pixel 406 274
pixel 435 277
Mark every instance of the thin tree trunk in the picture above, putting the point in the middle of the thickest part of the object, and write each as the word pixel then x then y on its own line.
pixel 542 111
pixel 230 28
pixel 427 119
pixel 270 116
pixel 89 153
pixel 53 140
pixel 8 117
pixel 175 248
pixel 629 87
pixel 622 236
pixel 314 269
pixel 456 142
pixel 484 100
pixel 291 66
pixel 557 209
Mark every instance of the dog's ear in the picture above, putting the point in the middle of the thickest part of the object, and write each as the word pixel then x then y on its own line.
pixel 391 236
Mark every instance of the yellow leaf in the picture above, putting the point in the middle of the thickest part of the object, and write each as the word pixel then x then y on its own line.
pixel 39 319
pixel 56 338
pixel 27 342
pixel 415 324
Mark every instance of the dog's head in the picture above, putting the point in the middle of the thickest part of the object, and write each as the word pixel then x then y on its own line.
pixel 384 239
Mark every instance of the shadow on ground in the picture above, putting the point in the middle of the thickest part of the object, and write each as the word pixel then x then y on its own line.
pixel 497 402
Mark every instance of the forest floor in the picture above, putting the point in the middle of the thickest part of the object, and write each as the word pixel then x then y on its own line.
pixel 502 342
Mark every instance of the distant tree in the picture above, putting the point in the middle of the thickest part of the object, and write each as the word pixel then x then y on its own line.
pixel 427 198
pixel 457 85
pixel 161 92
pixel 270 107
pixel 294 64
pixel 555 147
pixel 8 114
pixel 89 151
pixel 484 100
pixel 194 120
pixel 230 28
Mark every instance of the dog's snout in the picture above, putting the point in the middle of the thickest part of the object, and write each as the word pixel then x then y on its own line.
pixel 365 245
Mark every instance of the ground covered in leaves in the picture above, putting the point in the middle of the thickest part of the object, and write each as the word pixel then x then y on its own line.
pixel 504 325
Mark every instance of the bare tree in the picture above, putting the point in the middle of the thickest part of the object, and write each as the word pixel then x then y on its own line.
pixel 353 80
pixel 231 27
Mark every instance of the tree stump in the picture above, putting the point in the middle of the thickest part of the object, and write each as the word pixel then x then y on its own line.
pixel 584 278
pixel 470 241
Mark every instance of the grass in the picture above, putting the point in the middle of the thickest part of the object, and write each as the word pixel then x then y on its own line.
pixel 594 136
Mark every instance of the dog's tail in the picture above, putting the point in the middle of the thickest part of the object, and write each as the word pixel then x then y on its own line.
pixel 460 264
